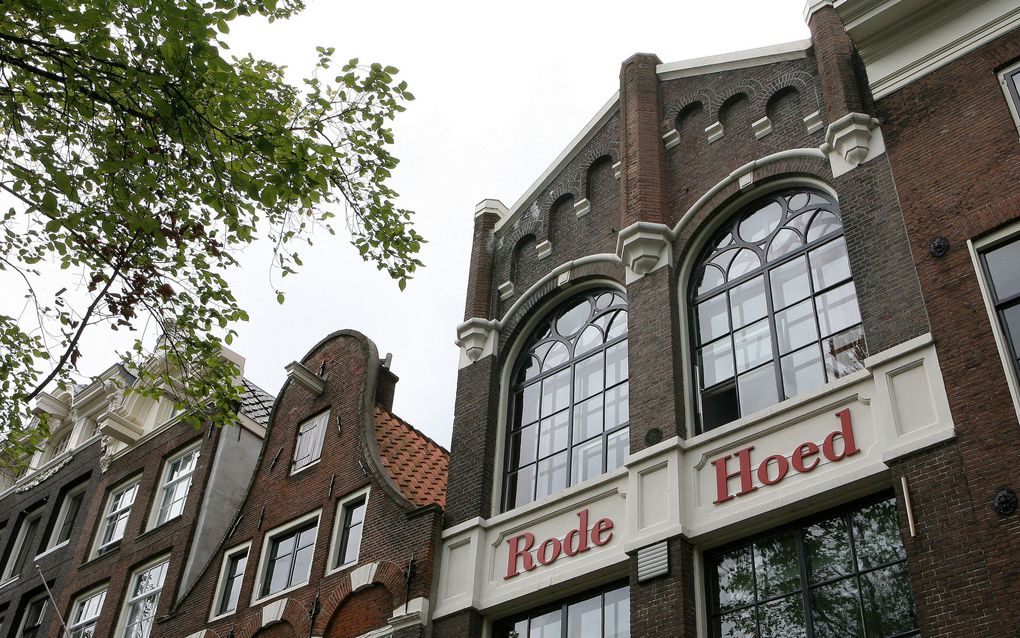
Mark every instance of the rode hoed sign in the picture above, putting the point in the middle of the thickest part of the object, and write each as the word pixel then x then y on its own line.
pixel 525 556
pixel 774 469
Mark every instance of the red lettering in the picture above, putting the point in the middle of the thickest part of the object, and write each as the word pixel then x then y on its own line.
pixel 846 432
pixel 722 477
pixel 805 450
pixel 523 553
pixel 549 542
pixel 602 526
pixel 763 469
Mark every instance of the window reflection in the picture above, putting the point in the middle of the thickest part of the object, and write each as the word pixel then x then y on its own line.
pixel 604 614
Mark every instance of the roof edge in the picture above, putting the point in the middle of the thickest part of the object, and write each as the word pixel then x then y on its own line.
pixel 734 60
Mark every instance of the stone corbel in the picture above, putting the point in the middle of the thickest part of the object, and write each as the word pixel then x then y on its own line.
pixel 644 247
pixel 298 373
pixel 505 290
pixel 415 612
pixel 617 170
pixel 120 428
pixel 51 405
pixel 477 339
pixel 852 140
pixel 761 127
pixel 714 132
pixel 671 139
pixel 543 248
pixel 582 207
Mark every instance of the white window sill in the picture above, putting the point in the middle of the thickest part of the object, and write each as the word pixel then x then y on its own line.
pixel 305 467
pixel 275 595
pixel 52 549
pixel 340 568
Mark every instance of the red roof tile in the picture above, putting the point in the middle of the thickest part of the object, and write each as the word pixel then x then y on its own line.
pixel 416 463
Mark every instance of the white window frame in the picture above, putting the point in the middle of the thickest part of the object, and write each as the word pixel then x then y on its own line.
pixel 104 521
pixel 19 545
pixel 267 541
pixel 73 626
pixel 130 599
pixel 322 419
pixel 64 443
pixel 977 247
pixel 54 542
pixel 336 540
pixel 160 500
pixel 42 614
pixel 1013 101
pixel 221 581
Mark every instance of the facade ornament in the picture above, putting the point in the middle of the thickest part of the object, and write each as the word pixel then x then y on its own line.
pixel 39 477
pixel 106 445
pixel 938 247
pixel 644 247
pixel 852 140
pixel 477 339
pixel 1005 502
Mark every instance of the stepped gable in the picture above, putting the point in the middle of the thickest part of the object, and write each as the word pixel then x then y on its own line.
pixel 416 463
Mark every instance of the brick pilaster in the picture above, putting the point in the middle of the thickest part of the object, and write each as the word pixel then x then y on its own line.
pixel 483 252
pixel 643 174
pixel 844 85
pixel 665 606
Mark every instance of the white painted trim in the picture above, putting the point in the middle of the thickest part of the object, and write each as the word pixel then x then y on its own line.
pixel 569 153
pixel 34 515
pixel 124 485
pixel 122 616
pixel 338 521
pixel 260 575
pixel 62 515
pixel 156 498
pixel 976 247
pixel 796 50
pixel 77 600
pixel 1011 102
pixel 553 274
pixel 218 592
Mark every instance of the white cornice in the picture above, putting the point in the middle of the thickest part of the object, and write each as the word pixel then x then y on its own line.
pixel 735 60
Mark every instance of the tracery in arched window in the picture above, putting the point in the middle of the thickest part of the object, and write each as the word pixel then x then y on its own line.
pixel 773 306
pixel 569 407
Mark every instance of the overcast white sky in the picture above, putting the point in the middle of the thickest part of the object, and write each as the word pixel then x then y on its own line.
pixel 501 89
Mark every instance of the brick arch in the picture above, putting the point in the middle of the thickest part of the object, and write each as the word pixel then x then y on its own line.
pixel 591 157
pixel 363 611
pixel 294 616
pixel 799 80
pixel 517 233
pixel 387 574
pixel 672 113
pixel 750 88
pixel 282 629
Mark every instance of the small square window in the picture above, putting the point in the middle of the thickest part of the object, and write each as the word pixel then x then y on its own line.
pixel 143 599
pixel 286 561
pixel 115 520
pixel 24 545
pixel 31 622
pixel 85 614
pixel 231 575
pixel 308 447
pixel 350 524
pixel 174 486
pixel 1009 78
pixel 70 507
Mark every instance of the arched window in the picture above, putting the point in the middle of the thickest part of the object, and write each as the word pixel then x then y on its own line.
pixel 773 307
pixel 569 405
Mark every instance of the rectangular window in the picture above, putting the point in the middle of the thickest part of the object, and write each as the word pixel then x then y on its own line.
pixel 231 574
pixel 85 614
pixel 24 545
pixel 843 574
pixel 31 622
pixel 143 600
pixel 1010 81
pixel 601 614
pixel 115 520
pixel 997 261
pixel 350 525
pixel 67 516
pixel 308 447
pixel 287 557
pixel 175 485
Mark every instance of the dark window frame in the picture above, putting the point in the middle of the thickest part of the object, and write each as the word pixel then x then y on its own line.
pixel 502 628
pixel 271 544
pixel 231 575
pixel 1009 78
pixel 710 563
pixel 347 509
pixel 543 333
pixel 1001 305
pixel 817 203
pixel 39 604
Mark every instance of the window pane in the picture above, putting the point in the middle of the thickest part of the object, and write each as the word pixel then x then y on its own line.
pixel 735 579
pixel 829 264
pixel 785 241
pixel 745 261
pixel 584 619
pixel 738 624
pixel 302 565
pixel 716 362
pixel 712 319
pixel 844 353
pixel 617 448
pixel 547 626
pixel 783 617
pixel 574 317
pixel 590 338
pixel 588 419
pixel 522 486
pixel 552 475
pixel 711 278
pixel 617 405
pixel 790 283
pixel 827 549
pixel 586 462
pixel 877 535
pixel 760 223
pixel 557 355
pixel 835 610
pixel 527 402
pixel 617 613
pixel 353 544
pixel 796 326
pixel 752 345
pixel 588 377
pixel 888 604
pixel 757 389
pixel 1011 322
pixel 619 326
pixel 554 434
pixel 747 301
pixel 802 371
pixel 837 309
pixel 823 224
pixel 1004 270
pixel 524 445
pixel 776 565
pixel 616 363
pixel 556 392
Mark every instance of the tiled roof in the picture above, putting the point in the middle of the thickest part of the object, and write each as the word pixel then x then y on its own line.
pixel 256 403
pixel 416 463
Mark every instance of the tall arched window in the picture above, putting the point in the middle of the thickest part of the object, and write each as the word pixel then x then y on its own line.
pixel 773 306
pixel 569 399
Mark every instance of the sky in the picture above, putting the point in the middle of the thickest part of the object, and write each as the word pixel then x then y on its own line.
pixel 501 89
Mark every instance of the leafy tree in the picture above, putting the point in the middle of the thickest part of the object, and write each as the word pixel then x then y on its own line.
pixel 141 156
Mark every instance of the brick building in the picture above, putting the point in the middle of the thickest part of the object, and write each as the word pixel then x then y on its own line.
pixel 744 360
pixel 336 533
